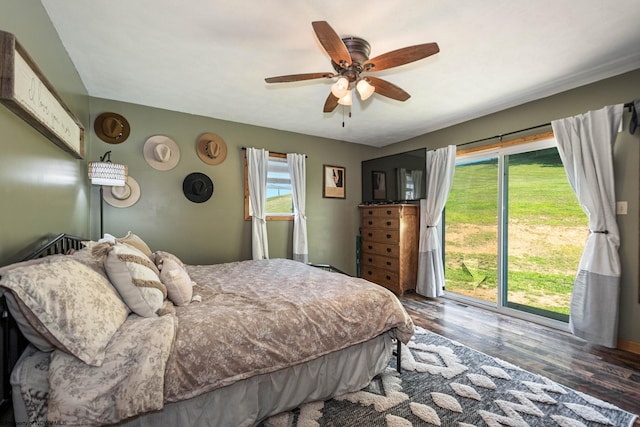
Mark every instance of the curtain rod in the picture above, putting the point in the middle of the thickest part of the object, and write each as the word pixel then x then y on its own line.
pixel 628 105
pixel 244 148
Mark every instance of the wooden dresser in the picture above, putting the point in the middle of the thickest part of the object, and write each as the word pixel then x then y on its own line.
pixel 389 250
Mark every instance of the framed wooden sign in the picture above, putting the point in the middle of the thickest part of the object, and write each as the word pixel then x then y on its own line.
pixel 27 92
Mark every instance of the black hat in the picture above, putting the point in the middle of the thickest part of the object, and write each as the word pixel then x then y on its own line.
pixel 197 187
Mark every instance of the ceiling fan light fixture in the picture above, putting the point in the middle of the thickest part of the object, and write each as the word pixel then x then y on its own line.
pixel 365 89
pixel 346 99
pixel 340 88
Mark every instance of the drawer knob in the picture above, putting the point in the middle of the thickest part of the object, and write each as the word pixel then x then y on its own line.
pixel 369 273
pixel 388 236
pixel 370 247
pixel 388 277
pixel 388 262
pixel 388 250
pixel 370 234
pixel 370 212
pixel 388 212
pixel 370 259
pixel 388 223
pixel 370 222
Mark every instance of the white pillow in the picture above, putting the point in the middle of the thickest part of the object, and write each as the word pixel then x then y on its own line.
pixel 178 283
pixel 136 278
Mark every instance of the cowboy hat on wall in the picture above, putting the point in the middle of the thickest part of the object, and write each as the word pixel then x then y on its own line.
pixel 161 152
pixel 197 187
pixel 112 128
pixel 122 196
pixel 211 149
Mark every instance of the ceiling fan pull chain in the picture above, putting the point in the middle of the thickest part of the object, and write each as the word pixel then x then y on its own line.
pixel 349 115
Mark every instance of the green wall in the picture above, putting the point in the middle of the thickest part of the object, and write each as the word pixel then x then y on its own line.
pixel 215 231
pixel 619 89
pixel 43 189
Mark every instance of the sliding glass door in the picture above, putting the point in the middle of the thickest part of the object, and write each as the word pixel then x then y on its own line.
pixel 471 230
pixel 514 231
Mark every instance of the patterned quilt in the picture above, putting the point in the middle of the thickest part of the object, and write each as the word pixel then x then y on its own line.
pixel 255 317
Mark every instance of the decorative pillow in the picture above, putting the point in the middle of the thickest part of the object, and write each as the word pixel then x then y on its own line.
pixel 160 257
pixel 71 305
pixel 177 281
pixel 135 241
pixel 136 278
pixel 86 257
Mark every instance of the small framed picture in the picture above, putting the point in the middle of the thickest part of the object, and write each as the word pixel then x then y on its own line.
pixel 379 180
pixel 333 182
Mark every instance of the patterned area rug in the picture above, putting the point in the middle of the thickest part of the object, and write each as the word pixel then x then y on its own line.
pixel 444 383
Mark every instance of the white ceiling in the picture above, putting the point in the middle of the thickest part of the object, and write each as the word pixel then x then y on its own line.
pixel 210 57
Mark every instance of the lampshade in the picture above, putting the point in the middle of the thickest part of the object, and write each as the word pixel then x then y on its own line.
pixel 340 88
pixel 365 89
pixel 346 99
pixel 107 173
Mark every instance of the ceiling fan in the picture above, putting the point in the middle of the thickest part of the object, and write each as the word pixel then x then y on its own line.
pixel 350 60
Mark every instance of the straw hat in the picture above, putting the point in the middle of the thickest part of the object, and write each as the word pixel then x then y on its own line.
pixel 197 187
pixel 111 128
pixel 161 152
pixel 211 149
pixel 122 197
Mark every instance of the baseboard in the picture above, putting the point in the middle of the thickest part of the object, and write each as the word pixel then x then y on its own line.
pixel 630 346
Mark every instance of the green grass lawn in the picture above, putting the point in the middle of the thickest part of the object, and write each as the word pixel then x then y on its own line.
pixel 546 230
pixel 280 204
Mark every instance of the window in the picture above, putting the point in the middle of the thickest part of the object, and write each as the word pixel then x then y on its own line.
pixel 279 194
pixel 514 230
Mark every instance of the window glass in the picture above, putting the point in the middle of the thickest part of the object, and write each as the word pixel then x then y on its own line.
pixel 279 193
pixel 279 199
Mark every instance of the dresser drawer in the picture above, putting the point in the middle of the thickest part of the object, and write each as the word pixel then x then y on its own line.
pixel 381 211
pixel 381 235
pixel 382 277
pixel 391 250
pixel 380 222
pixel 379 261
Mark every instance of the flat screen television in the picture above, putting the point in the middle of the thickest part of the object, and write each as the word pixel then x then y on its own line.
pixel 398 178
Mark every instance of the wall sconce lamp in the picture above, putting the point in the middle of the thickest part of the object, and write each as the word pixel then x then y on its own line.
pixel 104 173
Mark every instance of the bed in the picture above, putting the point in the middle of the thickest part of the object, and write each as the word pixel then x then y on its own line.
pixel 243 341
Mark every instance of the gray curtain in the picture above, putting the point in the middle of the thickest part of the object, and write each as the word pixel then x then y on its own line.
pixel 257 165
pixel 585 144
pixel 440 166
pixel 297 170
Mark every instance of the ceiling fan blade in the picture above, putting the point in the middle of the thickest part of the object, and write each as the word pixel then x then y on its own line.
pixel 387 89
pixel 332 43
pixel 298 77
pixel 331 103
pixel 401 56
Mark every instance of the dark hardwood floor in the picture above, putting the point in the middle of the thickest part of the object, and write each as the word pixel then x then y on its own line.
pixel 608 374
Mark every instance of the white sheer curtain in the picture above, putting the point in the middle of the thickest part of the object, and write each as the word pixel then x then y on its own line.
pixel 416 177
pixel 297 170
pixel 257 165
pixel 441 164
pixel 585 144
pixel 402 183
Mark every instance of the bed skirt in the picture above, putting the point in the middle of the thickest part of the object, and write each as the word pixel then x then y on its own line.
pixel 247 402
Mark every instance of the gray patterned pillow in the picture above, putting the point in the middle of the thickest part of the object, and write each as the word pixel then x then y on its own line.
pixel 136 278
pixel 70 304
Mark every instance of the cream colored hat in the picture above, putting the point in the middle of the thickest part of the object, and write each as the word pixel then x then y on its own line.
pixel 161 152
pixel 211 148
pixel 124 196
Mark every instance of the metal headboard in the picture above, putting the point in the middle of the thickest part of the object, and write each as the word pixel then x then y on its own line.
pixel 11 339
